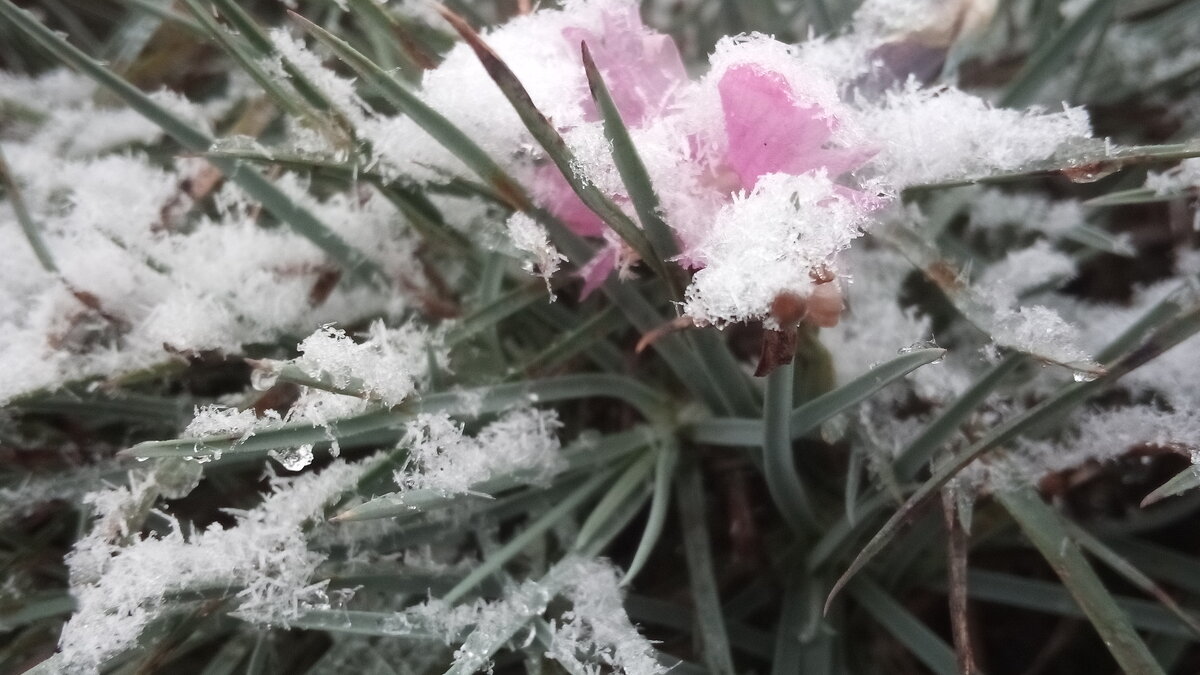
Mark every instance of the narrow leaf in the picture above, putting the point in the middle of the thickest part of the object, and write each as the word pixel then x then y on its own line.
pixel 697 548
pixel 633 171
pixel 1044 529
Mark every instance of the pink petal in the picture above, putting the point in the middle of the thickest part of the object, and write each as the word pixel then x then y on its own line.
pixel 595 271
pixel 641 68
pixel 768 131
pixel 557 196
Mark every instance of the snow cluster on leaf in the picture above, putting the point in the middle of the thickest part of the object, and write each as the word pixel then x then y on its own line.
pixel 120 588
pixel 444 459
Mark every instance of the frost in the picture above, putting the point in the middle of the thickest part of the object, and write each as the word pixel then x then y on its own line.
pixel 1100 436
pixel 119 589
pixel 444 459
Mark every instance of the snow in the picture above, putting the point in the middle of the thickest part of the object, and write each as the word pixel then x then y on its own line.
pixel 443 459
pixel 529 237
pixel 388 366
pixel 930 135
pixel 788 230
pixel 120 588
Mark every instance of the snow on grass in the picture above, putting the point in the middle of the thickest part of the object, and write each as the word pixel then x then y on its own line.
pixel 120 588
pixel 443 459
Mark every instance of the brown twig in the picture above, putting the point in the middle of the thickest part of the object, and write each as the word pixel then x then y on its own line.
pixel 956 565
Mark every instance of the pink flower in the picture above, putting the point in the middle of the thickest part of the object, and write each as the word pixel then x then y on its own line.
pixel 765 129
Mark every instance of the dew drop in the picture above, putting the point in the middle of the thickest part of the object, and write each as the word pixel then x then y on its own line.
pixel 263 377
pixel 1090 173
pixel 1084 376
pixel 919 346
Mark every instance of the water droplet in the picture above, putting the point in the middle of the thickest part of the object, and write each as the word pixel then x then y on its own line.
pixel 264 376
pixel 1090 173
pixel 293 459
pixel 918 346
pixel 1084 376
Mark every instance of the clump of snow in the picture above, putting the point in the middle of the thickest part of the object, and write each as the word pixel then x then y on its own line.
pixel 218 420
pixel 771 241
pixel 444 459
pixel 1102 436
pixel 531 238
pixel 120 589
pixel 594 633
pixel 1039 330
pixel 931 135
pixel 596 630
pixel 388 366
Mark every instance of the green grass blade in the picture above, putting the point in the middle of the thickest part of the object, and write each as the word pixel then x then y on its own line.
pixel 477 401
pixel 1052 598
pixel 734 431
pixel 1053 55
pixel 166 12
pixel 779 464
pixel 1085 161
pixel 629 482
pixel 578 338
pixel 257 39
pixel 35 608
pixel 1043 526
pixel 667 458
pixel 496 311
pixel 1117 563
pixel 586 455
pixel 556 148
pixel 537 528
pixel 632 170
pixel 809 416
pixel 1136 196
pixel 793 617
pixel 935 434
pixel 237 52
pixel 228 657
pixel 1188 479
pixel 32 231
pixel 697 546
pixel 922 642
pixel 683 361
